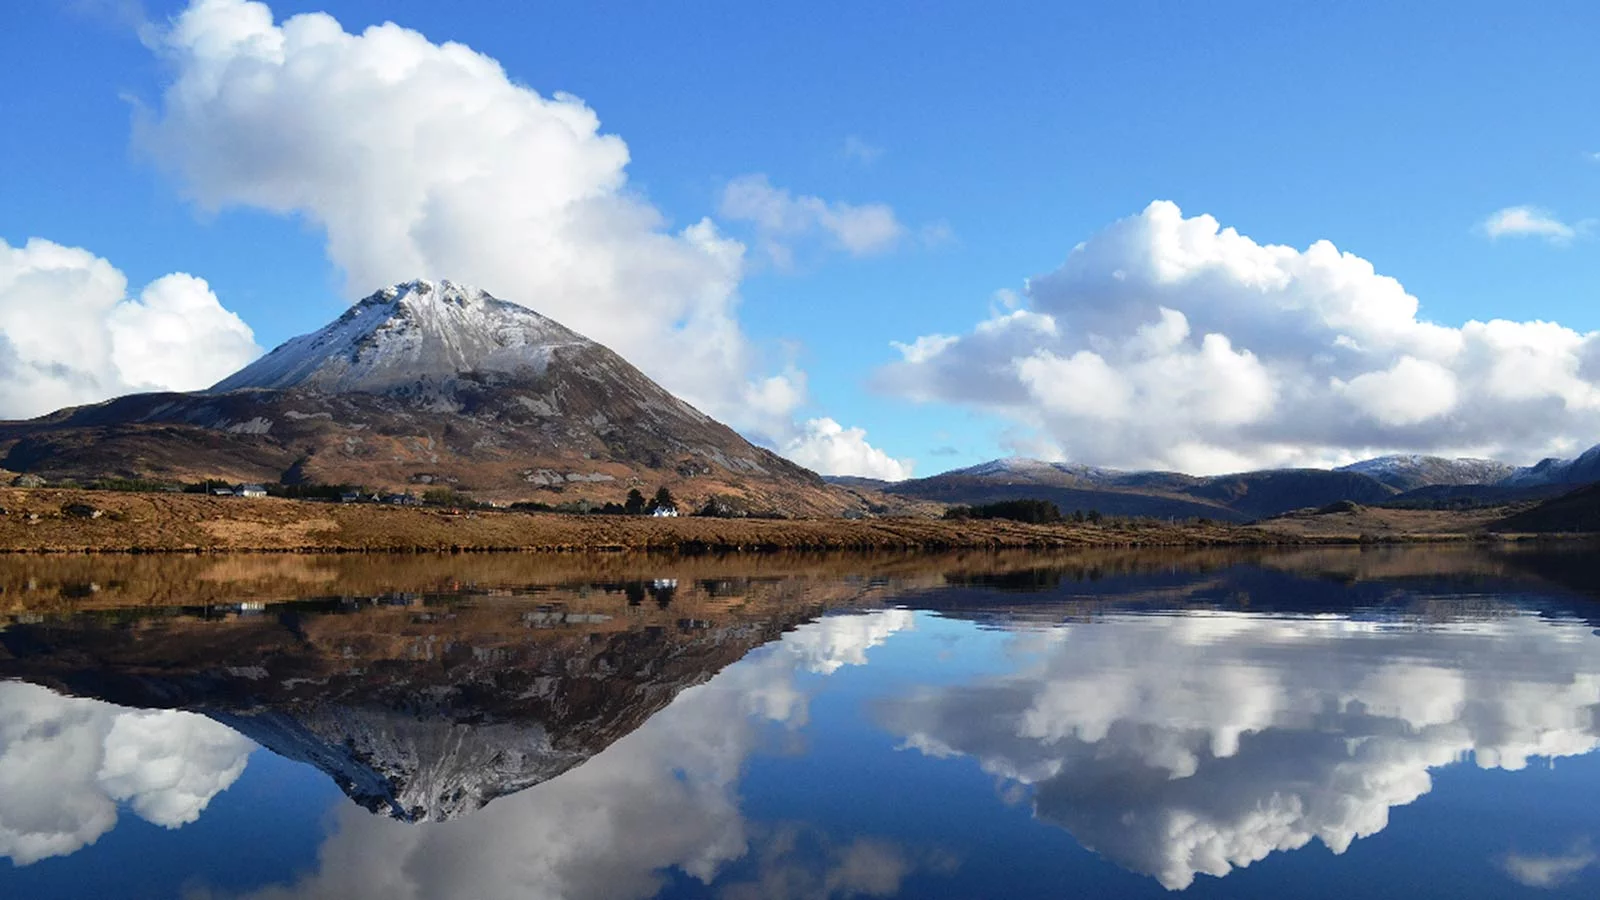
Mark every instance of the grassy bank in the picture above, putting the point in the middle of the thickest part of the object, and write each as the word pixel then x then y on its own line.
pixel 53 521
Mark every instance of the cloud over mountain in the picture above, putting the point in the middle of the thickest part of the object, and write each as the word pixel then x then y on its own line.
pixel 425 159
pixel 71 333
pixel 1173 342
pixel 419 158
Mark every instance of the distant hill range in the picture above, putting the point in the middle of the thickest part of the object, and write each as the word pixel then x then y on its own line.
pixel 1247 496
pixel 427 384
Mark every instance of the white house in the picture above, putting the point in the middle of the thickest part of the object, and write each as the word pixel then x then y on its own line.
pixel 250 490
pixel 663 512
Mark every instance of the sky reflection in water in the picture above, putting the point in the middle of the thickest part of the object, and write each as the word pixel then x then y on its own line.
pixel 946 740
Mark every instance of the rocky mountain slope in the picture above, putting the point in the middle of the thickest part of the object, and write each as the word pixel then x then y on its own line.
pixel 426 384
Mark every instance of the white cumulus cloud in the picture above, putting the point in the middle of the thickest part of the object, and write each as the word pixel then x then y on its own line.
pixel 1410 391
pixel 1167 341
pixel 424 159
pixel 70 332
pixel 780 217
pixel 825 446
pixel 1528 221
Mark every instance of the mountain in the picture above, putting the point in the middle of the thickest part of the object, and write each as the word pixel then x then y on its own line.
pixel 426 384
pixel 1410 472
pixel 1232 498
pixel 1575 511
pixel 1407 480
pixel 1583 470
pixel 1069 487
pixel 421 337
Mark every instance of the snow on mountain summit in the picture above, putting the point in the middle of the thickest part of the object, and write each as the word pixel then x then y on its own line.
pixel 408 332
pixel 1410 471
pixel 1025 468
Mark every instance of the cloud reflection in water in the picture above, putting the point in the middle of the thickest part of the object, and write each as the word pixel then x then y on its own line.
pixel 1181 745
pixel 66 762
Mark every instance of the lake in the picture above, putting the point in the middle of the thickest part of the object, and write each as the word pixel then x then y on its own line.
pixel 1326 722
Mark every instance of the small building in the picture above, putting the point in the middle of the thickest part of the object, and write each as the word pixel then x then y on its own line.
pixel 250 490
pixel 222 492
pixel 350 497
pixel 665 512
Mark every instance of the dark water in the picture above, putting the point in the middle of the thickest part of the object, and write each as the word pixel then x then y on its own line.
pixel 1328 723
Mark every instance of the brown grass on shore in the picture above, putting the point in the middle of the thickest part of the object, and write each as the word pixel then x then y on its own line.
pixel 38 520
pixel 1383 524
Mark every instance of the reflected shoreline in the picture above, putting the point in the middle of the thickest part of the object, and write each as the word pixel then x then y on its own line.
pixel 65 584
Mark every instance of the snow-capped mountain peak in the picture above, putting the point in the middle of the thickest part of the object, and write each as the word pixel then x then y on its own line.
pixel 1026 469
pixel 1010 465
pixel 415 330
pixel 1414 470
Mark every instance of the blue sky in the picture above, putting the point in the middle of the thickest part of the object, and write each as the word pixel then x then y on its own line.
pixel 1010 135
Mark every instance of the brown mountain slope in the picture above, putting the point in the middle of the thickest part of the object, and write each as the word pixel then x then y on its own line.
pixel 1576 512
pixel 424 384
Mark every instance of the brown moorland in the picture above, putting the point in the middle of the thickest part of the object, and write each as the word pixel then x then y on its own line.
pixel 59 520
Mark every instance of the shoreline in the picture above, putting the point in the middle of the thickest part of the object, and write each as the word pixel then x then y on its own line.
pixel 53 520
pixel 224 584
pixel 56 521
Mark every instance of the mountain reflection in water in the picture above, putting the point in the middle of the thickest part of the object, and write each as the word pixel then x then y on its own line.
pixel 812 726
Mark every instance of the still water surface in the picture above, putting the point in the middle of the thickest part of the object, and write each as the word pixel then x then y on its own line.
pixel 1325 723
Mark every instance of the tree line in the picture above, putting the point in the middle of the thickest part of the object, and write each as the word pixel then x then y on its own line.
pixel 1036 512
